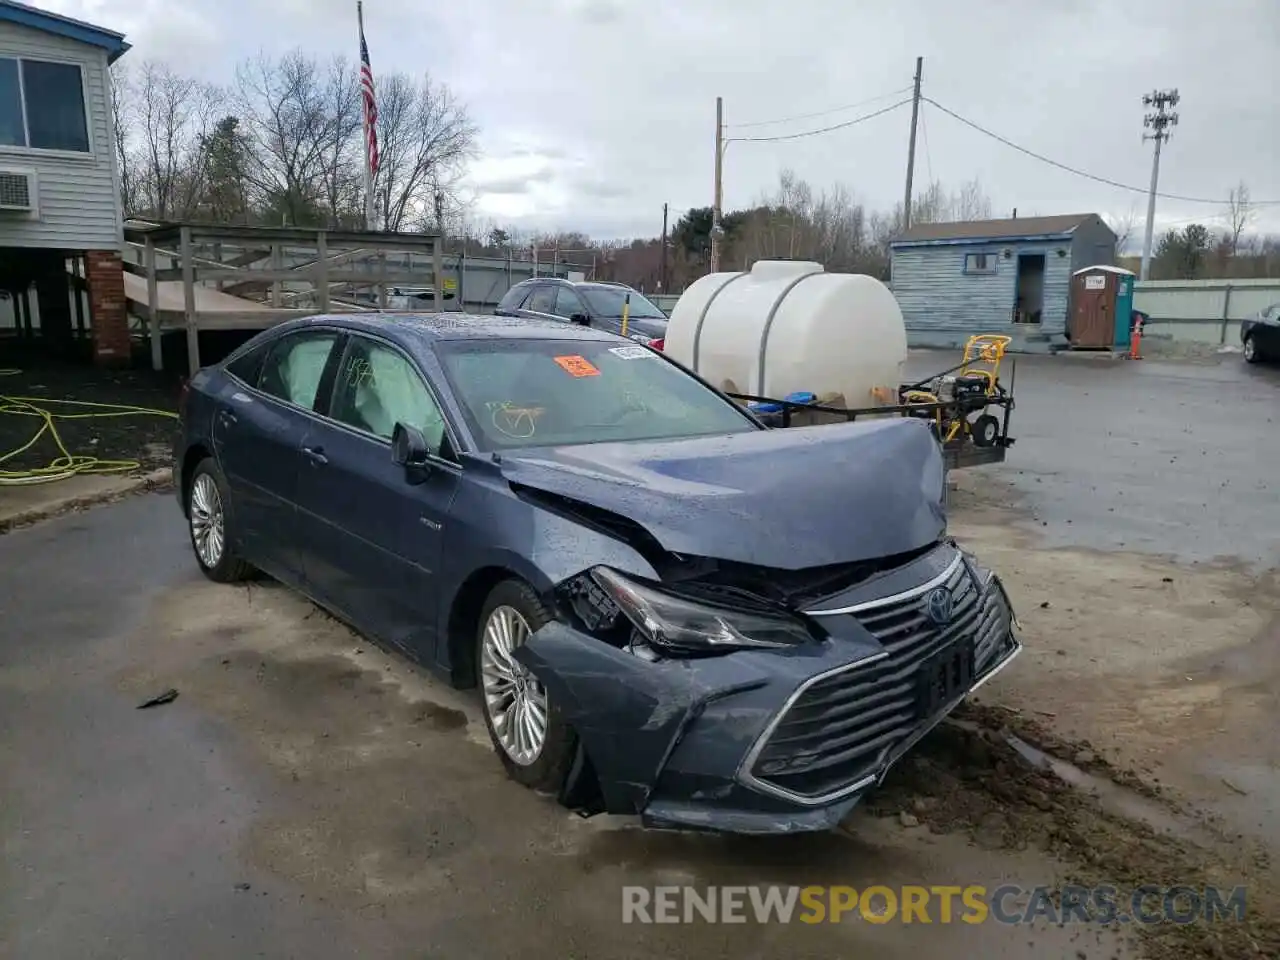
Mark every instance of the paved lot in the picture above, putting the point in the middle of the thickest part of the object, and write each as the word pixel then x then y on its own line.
pixel 1170 458
pixel 309 796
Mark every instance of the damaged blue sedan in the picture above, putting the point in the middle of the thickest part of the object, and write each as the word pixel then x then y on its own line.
pixel 669 610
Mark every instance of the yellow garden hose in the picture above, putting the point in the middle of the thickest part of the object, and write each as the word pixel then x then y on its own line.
pixel 46 412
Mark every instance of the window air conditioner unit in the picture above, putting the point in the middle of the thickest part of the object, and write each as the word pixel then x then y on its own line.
pixel 18 192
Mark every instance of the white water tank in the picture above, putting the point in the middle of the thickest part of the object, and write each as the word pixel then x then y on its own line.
pixel 788 326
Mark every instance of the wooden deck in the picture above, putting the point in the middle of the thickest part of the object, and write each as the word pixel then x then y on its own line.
pixel 214 274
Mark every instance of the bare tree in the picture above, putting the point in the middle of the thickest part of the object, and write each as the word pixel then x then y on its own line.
pixel 426 138
pixel 174 113
pixel 342 158
pixel 1123 226
pixel 123 115
pixel 1240 213
pixel 287 116
pixel 970 202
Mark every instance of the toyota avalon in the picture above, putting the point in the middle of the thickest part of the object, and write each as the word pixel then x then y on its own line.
pixel 667 609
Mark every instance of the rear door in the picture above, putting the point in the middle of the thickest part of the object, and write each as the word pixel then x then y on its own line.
pixel 370 540
pixel 258 433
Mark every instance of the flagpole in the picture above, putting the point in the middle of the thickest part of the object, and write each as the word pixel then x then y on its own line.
pixel 370 216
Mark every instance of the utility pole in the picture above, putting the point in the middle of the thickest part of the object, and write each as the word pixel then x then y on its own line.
pixel 716 230
pixel 662 270
pixel 911 147
pixel 1158 121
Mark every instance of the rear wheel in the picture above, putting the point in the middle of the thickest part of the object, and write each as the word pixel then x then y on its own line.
pixel 1251 352
pixel 530 737
pixel 208 522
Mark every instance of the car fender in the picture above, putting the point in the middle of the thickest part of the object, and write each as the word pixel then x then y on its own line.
pixel 627 714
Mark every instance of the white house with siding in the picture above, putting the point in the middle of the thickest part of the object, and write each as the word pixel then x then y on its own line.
pixel 59 181
pixel 1010 277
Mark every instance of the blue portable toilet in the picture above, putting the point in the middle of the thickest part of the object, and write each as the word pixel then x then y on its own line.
pixel 1101 307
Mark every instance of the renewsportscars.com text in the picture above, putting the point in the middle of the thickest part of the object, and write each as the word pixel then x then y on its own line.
pixel 1008 904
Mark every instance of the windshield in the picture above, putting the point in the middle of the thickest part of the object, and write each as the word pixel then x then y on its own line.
pixel 522 393
pixel 607 302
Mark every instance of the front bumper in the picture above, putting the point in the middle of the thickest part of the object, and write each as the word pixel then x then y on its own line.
pixel 779 741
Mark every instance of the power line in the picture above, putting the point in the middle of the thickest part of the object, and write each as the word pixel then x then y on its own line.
pixel 1219 201
pixel 814 133
pixel 819 113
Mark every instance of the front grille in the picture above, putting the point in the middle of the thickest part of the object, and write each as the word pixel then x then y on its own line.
pixel 838 729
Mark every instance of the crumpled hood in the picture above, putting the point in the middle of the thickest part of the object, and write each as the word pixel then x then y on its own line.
pixel 785 498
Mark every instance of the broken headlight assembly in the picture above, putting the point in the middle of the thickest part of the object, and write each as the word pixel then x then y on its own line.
pixel 648 619
pixel 987 580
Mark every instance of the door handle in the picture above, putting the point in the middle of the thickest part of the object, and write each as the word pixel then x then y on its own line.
pixel 316 455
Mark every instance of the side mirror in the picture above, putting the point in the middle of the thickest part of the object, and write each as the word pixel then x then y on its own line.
pixel 409 449
pixel 580 318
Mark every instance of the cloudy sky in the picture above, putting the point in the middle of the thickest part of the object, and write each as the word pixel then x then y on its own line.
pixel 595 112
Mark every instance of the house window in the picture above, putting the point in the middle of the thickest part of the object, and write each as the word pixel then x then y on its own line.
pixel 42 106
pixel 979 263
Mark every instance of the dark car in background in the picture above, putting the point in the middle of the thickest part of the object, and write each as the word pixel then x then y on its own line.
pixel 593 304
pixel 1260 335
pixel 669 609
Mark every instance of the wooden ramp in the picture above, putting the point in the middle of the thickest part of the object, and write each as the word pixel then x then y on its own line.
pixel 171 304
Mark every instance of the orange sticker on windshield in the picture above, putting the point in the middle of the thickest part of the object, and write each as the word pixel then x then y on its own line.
pixel 577 366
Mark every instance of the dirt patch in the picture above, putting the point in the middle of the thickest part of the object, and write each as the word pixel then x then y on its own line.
pixel 967 778
pixel 1169 670
pixel 142 440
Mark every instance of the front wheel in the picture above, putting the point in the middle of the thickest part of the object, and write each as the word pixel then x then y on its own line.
pixel 530 737
pixel 1251 354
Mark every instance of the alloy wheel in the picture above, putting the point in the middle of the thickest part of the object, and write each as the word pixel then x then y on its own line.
pixel 1250 350
pixel 514 699
pixel 208 530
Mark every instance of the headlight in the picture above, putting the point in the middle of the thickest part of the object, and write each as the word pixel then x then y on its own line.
pixel 680 625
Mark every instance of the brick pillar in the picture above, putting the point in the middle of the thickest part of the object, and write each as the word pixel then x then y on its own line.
pixel 107 307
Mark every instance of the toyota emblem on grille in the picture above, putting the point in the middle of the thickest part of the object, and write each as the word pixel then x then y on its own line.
pixel 939 606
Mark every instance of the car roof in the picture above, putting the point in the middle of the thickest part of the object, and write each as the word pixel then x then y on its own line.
pixel 603 284
pixel 430 327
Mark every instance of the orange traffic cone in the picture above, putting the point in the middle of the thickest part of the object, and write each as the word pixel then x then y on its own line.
pixel 1135 344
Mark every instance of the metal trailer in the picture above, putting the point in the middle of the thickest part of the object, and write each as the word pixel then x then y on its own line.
pixel 962 448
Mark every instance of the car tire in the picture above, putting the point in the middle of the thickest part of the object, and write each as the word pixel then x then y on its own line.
pixel 510 603
pixel 1251 352
pixel 209 525
pixel 985 431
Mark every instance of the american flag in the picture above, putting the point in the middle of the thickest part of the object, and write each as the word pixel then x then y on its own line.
pixel 370 104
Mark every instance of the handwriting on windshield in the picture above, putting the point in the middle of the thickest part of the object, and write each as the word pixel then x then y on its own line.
pixel 519 423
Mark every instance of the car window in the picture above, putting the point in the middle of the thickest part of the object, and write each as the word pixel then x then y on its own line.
pixel 512 299
pixel 568 303
pixel 543 299
pixel 248 365
pixel 518 393
pixel 377 387
pixel 608 301
pixel 295 365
